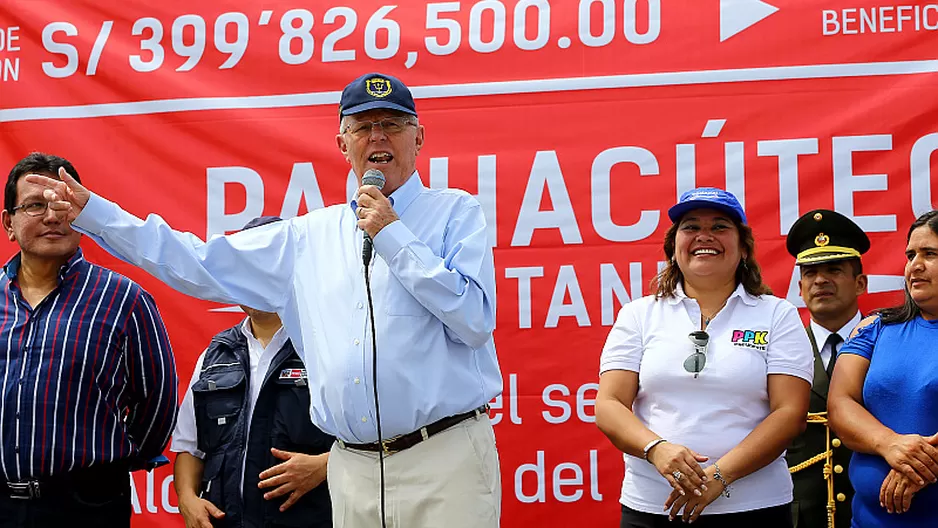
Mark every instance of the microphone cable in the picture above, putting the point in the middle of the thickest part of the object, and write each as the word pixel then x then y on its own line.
pixel 367 247
pixel 376 178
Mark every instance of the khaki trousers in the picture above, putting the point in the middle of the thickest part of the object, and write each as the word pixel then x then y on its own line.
pixel 450 480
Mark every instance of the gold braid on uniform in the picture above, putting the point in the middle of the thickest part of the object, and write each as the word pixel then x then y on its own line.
pixel 809 462
pixel 826 456
pixel 817 418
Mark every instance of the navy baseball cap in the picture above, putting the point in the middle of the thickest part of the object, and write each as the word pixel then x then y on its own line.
pixel 259 221
pixel 707 198
pixel 376 90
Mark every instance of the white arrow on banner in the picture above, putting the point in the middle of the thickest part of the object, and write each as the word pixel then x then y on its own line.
pixel 737 15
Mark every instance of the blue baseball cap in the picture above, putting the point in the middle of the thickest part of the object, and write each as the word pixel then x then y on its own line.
pixel 707 198
pixel 373 91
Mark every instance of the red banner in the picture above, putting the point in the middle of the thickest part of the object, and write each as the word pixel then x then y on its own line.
pixel 576 123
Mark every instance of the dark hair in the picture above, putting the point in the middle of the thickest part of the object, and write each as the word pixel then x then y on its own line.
pixel 36 163
pixel 908 310
pixel 748 272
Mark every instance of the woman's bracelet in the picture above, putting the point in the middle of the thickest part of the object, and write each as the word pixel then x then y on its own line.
pixel 651 445
pixel 717 475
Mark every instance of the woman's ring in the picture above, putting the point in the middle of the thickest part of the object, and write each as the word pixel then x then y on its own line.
pixel 677 474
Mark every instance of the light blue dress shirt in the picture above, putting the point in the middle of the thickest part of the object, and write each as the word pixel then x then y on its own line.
pixel 433 284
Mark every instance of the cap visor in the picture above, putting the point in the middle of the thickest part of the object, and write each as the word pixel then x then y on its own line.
pixel 821 258
pixel 677 211
pixel 375 105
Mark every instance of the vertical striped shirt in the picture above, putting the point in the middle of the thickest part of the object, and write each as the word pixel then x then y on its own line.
pixel 86 377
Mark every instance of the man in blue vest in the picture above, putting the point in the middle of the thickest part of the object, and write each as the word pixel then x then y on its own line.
pixel 248 454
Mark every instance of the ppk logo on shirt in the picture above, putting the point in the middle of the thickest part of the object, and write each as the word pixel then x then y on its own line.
pixel 755 339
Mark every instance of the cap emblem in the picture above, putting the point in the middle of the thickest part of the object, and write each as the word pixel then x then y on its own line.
pixel 821 240
pixel 378 87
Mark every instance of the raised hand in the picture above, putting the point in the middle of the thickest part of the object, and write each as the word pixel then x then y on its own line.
pixel 64 195
pixel 374 210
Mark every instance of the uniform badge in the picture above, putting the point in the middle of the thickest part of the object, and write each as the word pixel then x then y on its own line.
pixel 818 217
pixel 293 374
pixel 378 87
pixel 821 240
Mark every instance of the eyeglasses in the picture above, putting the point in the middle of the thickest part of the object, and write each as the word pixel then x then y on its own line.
pixel 31 208
pixel 696 361
pixel 390 125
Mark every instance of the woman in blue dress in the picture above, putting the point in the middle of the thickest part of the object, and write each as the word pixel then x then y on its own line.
pixel 883 399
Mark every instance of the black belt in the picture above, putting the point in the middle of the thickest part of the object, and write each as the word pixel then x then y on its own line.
pixel 35 488
pixel 405 441
pixel 97 477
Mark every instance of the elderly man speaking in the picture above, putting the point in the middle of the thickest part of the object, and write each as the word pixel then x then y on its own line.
pixel 432 302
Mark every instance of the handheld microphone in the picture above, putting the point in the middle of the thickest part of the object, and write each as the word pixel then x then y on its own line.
pixel 376 178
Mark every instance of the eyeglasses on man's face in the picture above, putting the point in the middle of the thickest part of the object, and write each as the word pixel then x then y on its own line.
pixel 31 208
pixel 389 125
pixel 696 361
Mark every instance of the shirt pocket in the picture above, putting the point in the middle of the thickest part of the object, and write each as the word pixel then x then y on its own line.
pixel 218 397
pixel 399 301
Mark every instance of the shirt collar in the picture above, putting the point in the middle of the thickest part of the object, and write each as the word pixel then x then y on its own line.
pixel 740 291
pixel 403 196
pixel 821 334
pixel 12 267
pixel 276 342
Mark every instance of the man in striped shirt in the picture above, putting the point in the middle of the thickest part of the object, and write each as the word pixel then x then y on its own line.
pixel 87 377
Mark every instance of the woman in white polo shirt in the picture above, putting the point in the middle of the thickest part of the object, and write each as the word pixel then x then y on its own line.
pixel 704 384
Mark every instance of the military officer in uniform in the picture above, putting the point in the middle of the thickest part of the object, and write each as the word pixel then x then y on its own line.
pixel 827 248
